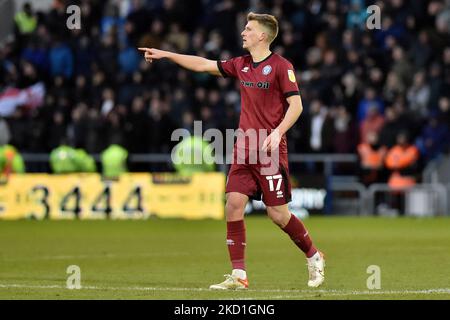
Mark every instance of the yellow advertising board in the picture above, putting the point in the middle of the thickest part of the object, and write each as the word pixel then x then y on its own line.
pixel 133 196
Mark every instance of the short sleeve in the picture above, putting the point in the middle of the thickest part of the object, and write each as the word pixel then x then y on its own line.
pixel 227 67
pixel 286 78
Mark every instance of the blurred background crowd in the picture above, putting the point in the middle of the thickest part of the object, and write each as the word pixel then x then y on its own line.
pixel 362 89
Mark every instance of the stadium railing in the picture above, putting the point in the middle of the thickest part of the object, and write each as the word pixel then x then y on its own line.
pixel 328 160
pixel 424 199
pixel 344 200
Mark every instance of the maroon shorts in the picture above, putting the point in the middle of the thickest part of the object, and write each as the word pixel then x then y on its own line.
pixel 251 180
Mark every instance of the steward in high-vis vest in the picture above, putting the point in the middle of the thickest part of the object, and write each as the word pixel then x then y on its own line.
pixel 402 160
pixel 84 161
pixel 63 160
pixel 192 155
pixel 114 161
pixel 371 156
pixel 10 161
pixel 26 21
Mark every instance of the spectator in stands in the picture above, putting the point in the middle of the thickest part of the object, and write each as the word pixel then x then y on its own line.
pixel 180 104
pixel 389 30
pixel 434 138
pixel 36 53
pixel 401 66
pixel 84 56
pixel 345 137
pixel 393 87
pixel 128 60
pixel 206 116
pixel 57 133
pixel 188 121
pixel 391 128
pixel 108 101
pixel 178 37
pixel 77 127
pixel 418 95
pixel 319 135
pixel 370 100
pixel 82 90
pixel 106 55
pixel 350 92
pixel 421 51
pixel 444 110
pixel 19 128
pixel 357 15
pixel 345 134
pixel 372 123
pixel 93 129
pixel 113 129
pixel 61 59
pixel 137 127
pixel 320 128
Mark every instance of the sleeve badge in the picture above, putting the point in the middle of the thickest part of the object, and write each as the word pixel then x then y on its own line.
pixel 291 75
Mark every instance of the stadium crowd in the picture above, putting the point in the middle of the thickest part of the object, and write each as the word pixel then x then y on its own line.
pixel 358 85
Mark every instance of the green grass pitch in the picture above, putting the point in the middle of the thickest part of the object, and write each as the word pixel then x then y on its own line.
pixel 178 259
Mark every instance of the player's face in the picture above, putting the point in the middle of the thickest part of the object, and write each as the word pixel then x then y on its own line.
pixel 251 35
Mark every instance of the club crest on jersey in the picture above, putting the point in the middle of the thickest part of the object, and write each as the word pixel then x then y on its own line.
pixel 245 69
pixel 291 75
pixel 266 70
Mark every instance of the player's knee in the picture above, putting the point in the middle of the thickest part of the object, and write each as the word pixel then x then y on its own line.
pixel 279 217
pixel 234 208
pixel 276 216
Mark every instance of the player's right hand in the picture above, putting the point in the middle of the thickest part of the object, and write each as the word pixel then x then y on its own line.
pixel 151 53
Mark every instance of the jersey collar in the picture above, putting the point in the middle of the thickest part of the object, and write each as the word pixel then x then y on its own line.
pixel 256 64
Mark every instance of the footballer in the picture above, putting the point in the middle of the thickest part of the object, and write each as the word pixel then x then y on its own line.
pixel 270 100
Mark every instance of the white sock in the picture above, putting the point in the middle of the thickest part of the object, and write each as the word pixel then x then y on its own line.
pixel 315 257
pixel 241 274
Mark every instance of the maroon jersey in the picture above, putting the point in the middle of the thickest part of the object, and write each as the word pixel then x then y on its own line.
pixel 264 86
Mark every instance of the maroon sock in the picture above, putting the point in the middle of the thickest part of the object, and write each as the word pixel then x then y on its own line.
pixel 236 243
pixel 298 233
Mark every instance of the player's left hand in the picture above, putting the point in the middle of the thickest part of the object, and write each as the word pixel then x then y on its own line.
pixel 272 141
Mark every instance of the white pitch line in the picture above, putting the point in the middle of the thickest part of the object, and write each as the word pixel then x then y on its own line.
pixel 87 256
pixel 310 293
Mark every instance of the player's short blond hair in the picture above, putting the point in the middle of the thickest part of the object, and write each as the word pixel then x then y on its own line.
pixel 268 21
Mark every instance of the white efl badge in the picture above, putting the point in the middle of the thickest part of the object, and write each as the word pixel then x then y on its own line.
pixel 291 75
pixel 266 70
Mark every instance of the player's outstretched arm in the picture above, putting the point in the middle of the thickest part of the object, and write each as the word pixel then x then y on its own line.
pixel 193 63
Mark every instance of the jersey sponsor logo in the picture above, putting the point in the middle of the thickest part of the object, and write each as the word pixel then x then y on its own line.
pixel 291 75
pixel 266 70
pixel 259 85
pixel 245 69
